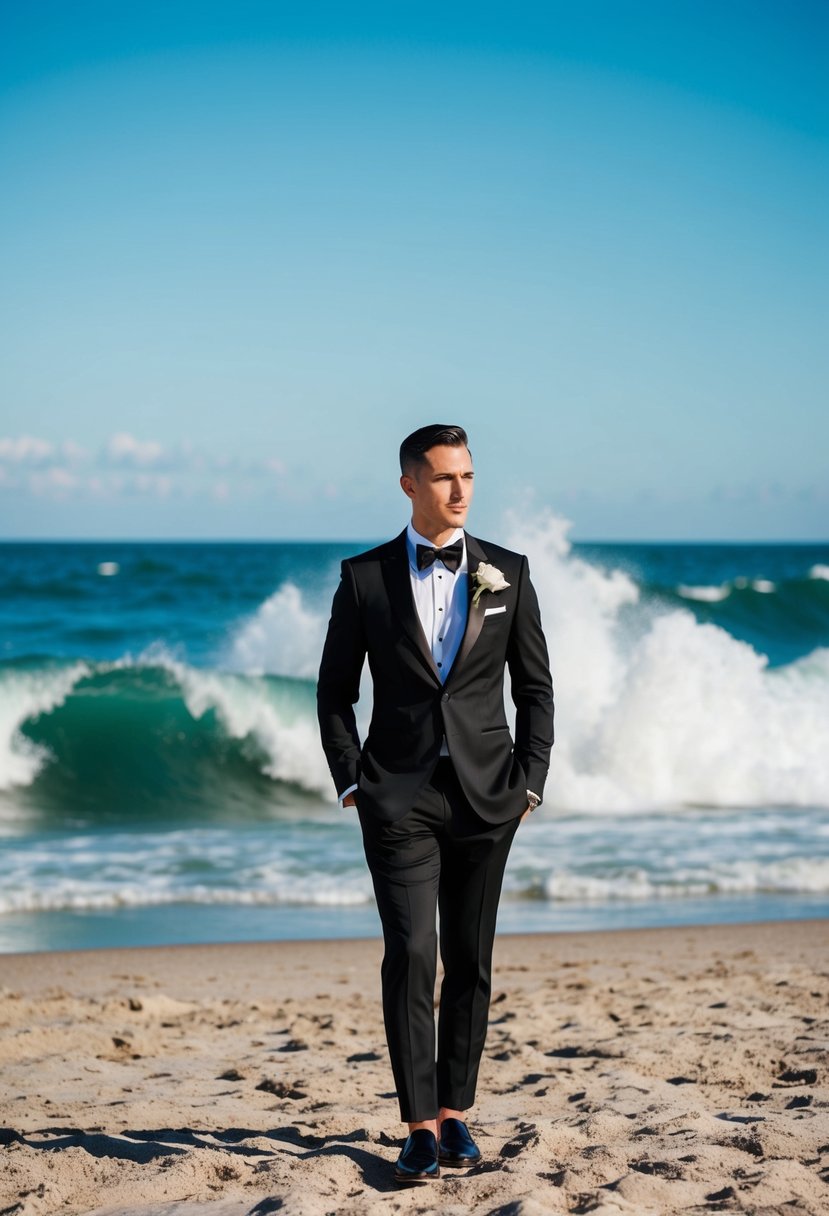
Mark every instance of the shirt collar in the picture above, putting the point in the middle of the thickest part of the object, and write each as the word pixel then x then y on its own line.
pixel 413 539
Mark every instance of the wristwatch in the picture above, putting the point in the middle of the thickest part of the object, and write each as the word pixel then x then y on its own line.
pixel 533 800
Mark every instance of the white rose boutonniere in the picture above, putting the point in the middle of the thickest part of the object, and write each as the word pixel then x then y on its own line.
pixel 487 578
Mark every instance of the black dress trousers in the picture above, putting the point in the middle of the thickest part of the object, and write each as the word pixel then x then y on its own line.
pixel 440 856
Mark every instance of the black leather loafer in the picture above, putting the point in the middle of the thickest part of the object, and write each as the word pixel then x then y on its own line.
pixel 418 1162
pixel 456 1145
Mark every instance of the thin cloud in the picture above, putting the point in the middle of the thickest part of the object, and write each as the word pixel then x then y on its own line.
pixel 126 466
pixel 124 449
pixel 55 482
pixel 25 449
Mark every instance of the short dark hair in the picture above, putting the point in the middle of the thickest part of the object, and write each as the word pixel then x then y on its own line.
pixel 414 447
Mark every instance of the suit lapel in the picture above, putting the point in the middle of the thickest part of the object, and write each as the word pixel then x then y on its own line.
pixel 475 612
pixel 399 589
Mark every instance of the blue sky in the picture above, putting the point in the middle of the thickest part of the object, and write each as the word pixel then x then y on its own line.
pixel 246 248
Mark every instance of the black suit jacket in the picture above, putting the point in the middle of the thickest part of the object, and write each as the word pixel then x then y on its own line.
pixel 374 615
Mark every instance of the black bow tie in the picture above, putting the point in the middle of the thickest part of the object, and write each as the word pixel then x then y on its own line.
pixel 450 556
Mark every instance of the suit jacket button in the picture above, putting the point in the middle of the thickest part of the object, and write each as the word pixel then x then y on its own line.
pixel 445 697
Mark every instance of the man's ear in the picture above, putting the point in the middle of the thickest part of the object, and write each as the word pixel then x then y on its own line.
pixel 407 485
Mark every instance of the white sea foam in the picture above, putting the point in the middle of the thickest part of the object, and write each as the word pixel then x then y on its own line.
pixel 709 595
pixel 793 875
pixel 713 595
pixel 68 894
pixel 283 637
pixel 24 696
pixel 819 571
pixel 664 710
pixel 194 866
pixel 323 866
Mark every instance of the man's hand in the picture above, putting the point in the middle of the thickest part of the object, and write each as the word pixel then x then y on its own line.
pixel 533 801
pixel 349 800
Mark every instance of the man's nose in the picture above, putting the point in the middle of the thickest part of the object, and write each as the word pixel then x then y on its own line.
pixel 457 489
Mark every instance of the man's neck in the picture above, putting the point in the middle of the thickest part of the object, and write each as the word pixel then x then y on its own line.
pixel 438 539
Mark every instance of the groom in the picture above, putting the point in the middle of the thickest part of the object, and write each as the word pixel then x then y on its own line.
pixel 438 783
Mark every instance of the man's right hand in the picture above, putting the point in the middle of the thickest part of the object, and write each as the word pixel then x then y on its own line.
pixel 349 800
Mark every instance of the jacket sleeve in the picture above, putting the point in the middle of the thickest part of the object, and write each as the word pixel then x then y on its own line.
pixel 532 685
pixel 338 685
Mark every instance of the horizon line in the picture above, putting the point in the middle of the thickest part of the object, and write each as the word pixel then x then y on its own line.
pixel 285 540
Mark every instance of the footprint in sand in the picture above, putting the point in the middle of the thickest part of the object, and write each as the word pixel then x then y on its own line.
pixel 660 1169
pixel 581 1053
pixel 526 1137
pixel 796 1076
pixel 280 1089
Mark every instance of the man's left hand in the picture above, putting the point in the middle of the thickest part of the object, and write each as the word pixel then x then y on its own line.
pixel 528 811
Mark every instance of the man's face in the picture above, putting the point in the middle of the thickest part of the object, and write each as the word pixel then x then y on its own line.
pixel 440 490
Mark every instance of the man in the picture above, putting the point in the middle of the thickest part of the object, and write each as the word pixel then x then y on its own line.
pixel 438 784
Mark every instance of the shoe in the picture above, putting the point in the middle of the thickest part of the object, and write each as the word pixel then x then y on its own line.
pixel 418 1162
pixel 456 1145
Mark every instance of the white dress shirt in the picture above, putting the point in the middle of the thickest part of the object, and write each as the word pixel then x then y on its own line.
pixel 442 602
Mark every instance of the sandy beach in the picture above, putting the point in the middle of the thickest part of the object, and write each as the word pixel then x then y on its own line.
pixel 648 1071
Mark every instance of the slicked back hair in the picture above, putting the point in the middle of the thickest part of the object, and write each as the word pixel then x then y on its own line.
pixel 414 447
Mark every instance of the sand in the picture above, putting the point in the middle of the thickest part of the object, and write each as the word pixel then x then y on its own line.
pixel 652 1071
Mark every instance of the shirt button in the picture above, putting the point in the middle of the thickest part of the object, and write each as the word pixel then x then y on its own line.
pixel 440 639
pixel 440 610
pixel 440 664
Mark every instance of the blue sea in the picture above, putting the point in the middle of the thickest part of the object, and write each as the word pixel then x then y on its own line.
pixel 161 778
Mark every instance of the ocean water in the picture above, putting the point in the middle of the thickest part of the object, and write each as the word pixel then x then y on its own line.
pixel 161 778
